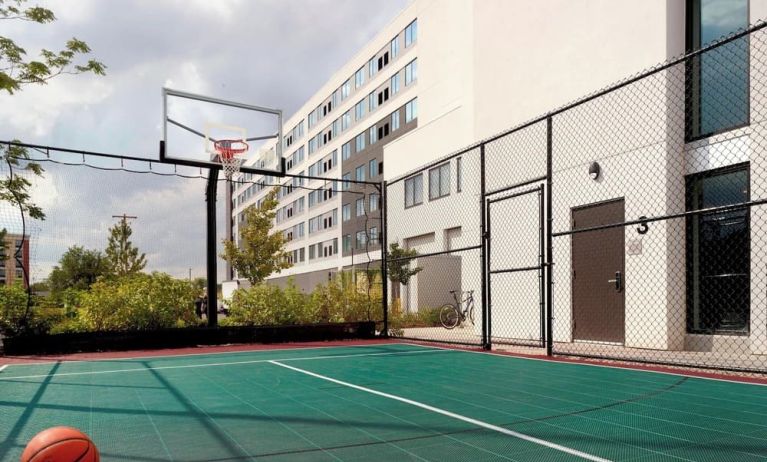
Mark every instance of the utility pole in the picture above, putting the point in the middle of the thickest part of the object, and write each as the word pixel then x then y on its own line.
pixel 125 217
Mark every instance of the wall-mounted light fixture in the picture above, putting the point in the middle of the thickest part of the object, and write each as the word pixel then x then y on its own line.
pixel 595 170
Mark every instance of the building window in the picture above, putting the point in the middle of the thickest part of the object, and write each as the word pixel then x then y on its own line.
pixel 414 190
pixel 395 120
pixel 372 69
pixel 373 167
pixel 458 174
pixel 360 173
pixel 361 239
pixel 411 110
pixel 347 242
pixel 373 102
pixel 374 199
pixel 718 253
pixel 359 110
pixel 346 120
pixel 360 207
pixel 373 235
pixel 411 33
pixel 346 151
pixel 345 90
pixel 360 142
pixel 439 181
pixel 718 80
pixel 394 84
pixel 346 212
pixel 411 72
pixel 373 135
pixel 345 181
pixel 394 47
pixel 359 78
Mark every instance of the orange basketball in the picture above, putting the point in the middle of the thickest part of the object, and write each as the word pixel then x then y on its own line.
pixel 60 444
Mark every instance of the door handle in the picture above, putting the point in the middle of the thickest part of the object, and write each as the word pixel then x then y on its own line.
pixel 618 281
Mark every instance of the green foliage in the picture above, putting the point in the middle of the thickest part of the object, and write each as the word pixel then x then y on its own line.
pixel 16 70
pixel 78 268
pixel 266 304
pixel 139 301
pixel 399 264
pixel 122 257
pixel 15 188
pixel 261 251
pixel 344 300
pixel 341 300
pixel 13 307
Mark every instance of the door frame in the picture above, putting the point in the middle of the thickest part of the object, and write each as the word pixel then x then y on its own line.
pixel 574 231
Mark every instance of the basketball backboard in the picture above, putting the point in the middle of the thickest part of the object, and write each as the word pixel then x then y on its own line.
pixel 194 124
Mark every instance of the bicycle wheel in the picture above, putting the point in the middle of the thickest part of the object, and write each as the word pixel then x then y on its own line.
pixel 449 316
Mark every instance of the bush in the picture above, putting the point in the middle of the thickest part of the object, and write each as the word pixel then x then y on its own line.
pixel 343 300
pixel 13 306
pixel 139 301
pixel 266 304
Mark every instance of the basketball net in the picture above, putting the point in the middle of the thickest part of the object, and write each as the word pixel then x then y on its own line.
pixel 230 155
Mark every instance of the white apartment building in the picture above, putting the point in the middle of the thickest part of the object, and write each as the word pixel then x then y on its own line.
pixel 339 134
pixel 497 64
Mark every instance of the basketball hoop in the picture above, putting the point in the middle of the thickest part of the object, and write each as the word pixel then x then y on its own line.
pixel 229 152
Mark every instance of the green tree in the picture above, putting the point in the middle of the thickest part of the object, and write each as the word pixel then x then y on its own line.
pixel 122 257
pixel 261 251
pixel 17 70
pixel 398 266
pixel 78 269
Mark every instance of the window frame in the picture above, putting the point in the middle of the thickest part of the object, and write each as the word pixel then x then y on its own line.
pixel 411 180
pixel 439 169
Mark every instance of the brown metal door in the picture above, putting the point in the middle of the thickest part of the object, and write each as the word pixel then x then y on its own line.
pixel 598 263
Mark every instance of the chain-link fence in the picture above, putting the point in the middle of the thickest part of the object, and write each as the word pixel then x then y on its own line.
pixel 626 226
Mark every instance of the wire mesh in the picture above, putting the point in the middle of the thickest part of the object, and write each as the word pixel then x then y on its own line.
pixel 656 223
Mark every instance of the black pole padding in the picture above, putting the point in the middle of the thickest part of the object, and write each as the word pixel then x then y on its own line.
pixel 384 264
pixel 212 258
pixel 549 241
pixel 486 342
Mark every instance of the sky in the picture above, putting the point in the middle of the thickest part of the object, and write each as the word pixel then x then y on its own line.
pixel 274 53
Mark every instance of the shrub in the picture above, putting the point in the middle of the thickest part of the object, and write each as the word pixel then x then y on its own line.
pixel 343 300
pixel 13 306
pixel 266 304
pixel 139 301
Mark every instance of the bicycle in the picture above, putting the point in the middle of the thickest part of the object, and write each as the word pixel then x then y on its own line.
pixel 450 315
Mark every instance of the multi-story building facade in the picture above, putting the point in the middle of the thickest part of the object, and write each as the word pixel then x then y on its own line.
pixel 10 270
pixel 332 221
pixel 661 144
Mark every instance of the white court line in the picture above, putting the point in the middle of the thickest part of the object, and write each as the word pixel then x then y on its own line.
pixel 212 353
pixel 2 368
pixel 194 366
pixel 453 415
pixel 578 363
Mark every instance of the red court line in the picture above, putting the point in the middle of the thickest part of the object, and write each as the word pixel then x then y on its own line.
pixel 682 370
pixel 201 350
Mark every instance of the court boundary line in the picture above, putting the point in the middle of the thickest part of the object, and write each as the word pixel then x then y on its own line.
pixel 586 363
pixel 181 355
pixel 447 413
pixel 232 363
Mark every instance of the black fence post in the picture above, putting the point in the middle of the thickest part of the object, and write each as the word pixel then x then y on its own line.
pixel 549 242
pixel 212 270
pixel 486 343
pixel 384 265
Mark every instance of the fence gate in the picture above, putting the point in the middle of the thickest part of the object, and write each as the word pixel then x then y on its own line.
pixel 515 267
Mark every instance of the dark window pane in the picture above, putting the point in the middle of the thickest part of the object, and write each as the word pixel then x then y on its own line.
pixel 718 254
pixel 717 80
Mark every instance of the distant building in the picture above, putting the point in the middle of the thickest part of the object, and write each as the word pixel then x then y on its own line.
pixel 10 270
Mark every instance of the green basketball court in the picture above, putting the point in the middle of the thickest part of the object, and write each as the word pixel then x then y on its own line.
pixel 381 402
